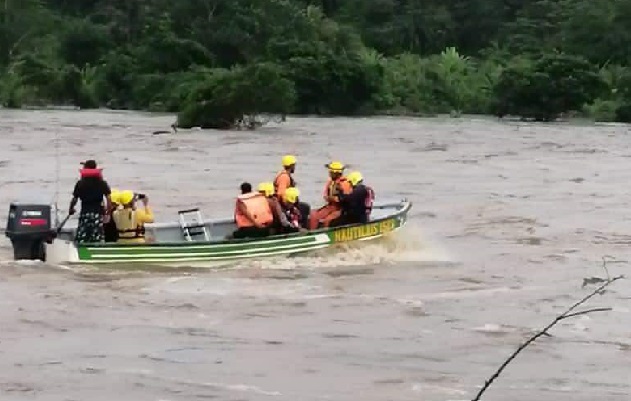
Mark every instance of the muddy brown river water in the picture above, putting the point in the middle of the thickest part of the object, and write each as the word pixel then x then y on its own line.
pixel 508 221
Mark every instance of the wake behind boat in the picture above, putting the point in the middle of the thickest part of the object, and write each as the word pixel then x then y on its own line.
pixel 34 236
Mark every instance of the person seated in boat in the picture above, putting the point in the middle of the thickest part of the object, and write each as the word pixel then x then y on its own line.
pixel 357 205
pixel 267 190
pixel 337 184
pixel 109 229
pixel 253 214
pixel 91 189
pixel 291 211
pixel 285 179
pixel 130 220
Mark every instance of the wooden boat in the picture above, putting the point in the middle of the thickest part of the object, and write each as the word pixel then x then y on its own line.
pixel 167 244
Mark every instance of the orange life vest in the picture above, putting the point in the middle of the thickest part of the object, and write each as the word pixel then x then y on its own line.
pixel 333 188
pixel 259 208
pixel 292 183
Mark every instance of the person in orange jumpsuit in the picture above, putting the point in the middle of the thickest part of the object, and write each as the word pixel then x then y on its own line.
pixel 336 184
pixel 284 180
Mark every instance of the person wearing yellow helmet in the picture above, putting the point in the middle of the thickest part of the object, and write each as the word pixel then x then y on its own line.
pixel 130 220
pixel 357 206
pixel 337 184
pixel 267 189
pixel 252 214
pixel 291 210
pixel 285 179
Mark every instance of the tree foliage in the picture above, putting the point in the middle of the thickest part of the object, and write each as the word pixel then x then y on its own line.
pixel 545 88
pixel 219 63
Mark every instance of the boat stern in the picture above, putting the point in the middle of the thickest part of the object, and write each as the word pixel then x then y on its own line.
pixel 61 251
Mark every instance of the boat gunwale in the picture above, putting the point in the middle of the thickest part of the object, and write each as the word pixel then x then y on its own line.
pixel 404 203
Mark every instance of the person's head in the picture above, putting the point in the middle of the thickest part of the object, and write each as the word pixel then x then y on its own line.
pixel 289 163
pixel 89 169
pixel 355 178
pixel 89 164
pixel 126 198
pixel 291 195
pixel 246 188
pixel 335 169
pixel 266 189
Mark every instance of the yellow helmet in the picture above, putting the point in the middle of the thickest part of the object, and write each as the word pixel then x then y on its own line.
pixel 355 177
pixel 289 160
pixel 336 166
pixel 291 195
pixel 126 197
pixel 115 195
pixel 267 188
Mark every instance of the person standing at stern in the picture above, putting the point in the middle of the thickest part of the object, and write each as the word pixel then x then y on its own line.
pixel 91 189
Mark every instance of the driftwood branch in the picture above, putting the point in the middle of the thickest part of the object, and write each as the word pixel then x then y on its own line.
pixel 585 312
pixel 565 315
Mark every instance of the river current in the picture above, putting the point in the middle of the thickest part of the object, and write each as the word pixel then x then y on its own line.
pixel 509 226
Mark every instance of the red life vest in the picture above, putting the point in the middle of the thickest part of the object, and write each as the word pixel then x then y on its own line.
pixel 91 172
pixel 370 200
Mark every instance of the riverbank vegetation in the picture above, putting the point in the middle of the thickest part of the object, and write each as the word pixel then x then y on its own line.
pixel 221 63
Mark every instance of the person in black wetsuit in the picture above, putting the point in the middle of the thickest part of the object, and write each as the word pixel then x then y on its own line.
pixel 356 206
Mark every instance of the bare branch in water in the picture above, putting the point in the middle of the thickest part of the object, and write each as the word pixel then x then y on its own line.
pixel 565 315
pixel 585 312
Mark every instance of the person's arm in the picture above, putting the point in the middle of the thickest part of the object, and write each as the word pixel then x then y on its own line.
pixel 73 203
pixel 105 189
pixel 75 198
pixel 343 189
pixel 147 213
pixel 247 214
pixel 107 192
pixel 330 199
pixel 282 217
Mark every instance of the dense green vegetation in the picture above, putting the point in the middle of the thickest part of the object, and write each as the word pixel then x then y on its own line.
pixel 220 63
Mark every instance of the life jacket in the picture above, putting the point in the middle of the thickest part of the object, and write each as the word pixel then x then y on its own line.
pixel 292 183
pixel 91 172
pixel 259 208
pixel 370 200
pixel 127 225
pixel 334 187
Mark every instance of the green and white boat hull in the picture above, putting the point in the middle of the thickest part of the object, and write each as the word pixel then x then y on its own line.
pixel 387 218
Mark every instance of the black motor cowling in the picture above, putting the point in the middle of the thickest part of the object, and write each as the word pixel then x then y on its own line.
pixel 29 227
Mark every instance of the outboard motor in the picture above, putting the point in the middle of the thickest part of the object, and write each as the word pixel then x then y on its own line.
pixel 29 227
